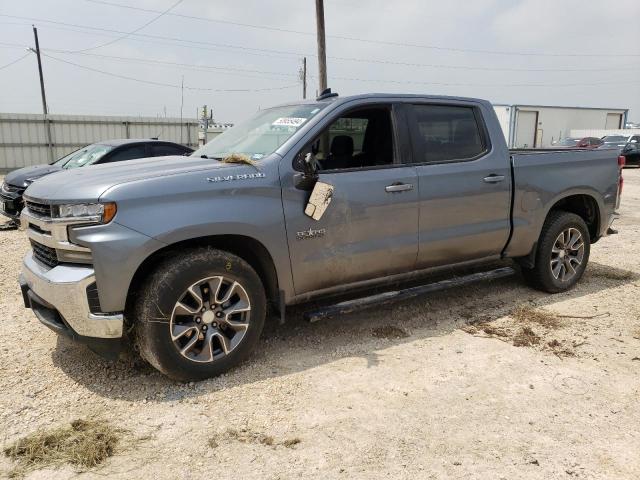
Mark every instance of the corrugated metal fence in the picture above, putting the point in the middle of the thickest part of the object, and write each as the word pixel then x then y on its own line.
pixel 24 138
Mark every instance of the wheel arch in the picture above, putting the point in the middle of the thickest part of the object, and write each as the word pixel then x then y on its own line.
pixel 585 206
pixel 245 247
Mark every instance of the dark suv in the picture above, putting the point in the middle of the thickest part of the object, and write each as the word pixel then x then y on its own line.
pixel 108 151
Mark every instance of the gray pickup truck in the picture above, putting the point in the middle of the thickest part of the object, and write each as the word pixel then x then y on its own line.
pixel 185 257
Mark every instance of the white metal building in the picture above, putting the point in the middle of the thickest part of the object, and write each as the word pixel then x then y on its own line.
pixel 538 126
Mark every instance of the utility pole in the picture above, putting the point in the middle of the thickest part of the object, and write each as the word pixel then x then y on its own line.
pixel 303 77
pixel 181 107
pixel 45 110
pixel 322 54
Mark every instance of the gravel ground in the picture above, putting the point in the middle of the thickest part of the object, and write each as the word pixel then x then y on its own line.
pixel 430 388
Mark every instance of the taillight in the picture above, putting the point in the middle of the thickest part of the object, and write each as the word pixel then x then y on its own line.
pixel 622 161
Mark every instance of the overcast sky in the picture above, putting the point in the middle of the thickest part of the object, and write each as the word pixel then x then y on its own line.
pixel 552 52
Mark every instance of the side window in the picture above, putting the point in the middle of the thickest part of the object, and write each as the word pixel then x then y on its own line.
pixel 358 139
pixel 127 153
pixel 161 150
pixel 442 133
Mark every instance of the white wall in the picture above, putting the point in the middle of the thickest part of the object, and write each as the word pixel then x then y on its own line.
pixel 504 117
pixel 555 123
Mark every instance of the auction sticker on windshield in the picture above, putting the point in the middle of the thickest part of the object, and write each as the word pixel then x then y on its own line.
pixel 289 122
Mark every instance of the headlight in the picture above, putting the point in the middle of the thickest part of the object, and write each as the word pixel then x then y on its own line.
pixel 92 212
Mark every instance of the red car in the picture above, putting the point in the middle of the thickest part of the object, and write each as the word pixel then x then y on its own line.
pixel 585 142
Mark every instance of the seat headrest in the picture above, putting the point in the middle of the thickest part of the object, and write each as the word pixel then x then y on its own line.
pixel 342 145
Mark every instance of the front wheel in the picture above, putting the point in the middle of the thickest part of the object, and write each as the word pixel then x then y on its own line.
pixel 199 314
pixel 562 253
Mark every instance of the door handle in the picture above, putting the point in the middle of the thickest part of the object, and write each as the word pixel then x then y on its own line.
pixel 398 187
pixel 493 178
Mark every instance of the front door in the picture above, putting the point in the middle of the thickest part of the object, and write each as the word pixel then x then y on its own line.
pixel 370 228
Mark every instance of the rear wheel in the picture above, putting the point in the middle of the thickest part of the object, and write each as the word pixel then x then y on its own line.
pixel 199 314
pixel 562 253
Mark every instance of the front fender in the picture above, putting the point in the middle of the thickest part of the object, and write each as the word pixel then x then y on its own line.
pixel 170 210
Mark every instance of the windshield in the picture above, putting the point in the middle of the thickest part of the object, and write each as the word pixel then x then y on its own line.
pixel 614 139
pixel 85 156
pixel 568 142
pixel 262 134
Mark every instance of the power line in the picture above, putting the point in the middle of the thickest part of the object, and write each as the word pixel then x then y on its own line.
pixel 199 67
pixel 155 37
pixel 161 14
pixel 372 41
pixel 455 67
pixel 160 84
pixel 150 82
pixel 232 69
pixel 449 84
pixel 262 51
pixel 2 67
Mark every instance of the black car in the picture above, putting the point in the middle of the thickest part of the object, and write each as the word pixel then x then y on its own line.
pixel 16 182
pixel 631 151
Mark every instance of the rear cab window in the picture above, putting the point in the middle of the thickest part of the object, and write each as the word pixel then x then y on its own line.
pixel 446 133
pixel 127 153
pixel 164 149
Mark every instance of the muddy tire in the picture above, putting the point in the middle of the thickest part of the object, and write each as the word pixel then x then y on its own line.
pixel 562 253
pixel 199 314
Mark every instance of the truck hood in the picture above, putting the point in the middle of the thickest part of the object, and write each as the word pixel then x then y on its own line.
pixel 88 184
pixel 24 176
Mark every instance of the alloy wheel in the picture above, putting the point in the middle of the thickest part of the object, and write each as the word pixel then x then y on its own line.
pixel 210 319
pixel 567 254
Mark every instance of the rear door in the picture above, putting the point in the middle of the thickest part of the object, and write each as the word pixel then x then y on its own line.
pixel 370 228
pixel 465 185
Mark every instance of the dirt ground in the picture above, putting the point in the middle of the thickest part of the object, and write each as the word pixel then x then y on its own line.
pixel 489 381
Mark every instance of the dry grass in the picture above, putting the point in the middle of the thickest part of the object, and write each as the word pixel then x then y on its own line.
pixel 389 331
pixel 83 443
pixel 559 349
pixel 525 338
pixel 246 436
pixel 239 158
pixel 528 314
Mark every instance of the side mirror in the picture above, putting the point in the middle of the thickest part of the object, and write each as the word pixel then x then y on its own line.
pixel 634 141
pixel 306 161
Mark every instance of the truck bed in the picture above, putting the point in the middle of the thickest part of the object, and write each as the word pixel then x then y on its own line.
pixel 540 177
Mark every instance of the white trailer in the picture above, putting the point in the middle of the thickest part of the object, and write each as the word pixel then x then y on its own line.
pixel 539 126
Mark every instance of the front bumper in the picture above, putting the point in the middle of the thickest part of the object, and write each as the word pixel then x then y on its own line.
pixel 11 204
pixel 58 297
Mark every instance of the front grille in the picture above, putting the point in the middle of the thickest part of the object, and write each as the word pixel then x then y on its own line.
pixel 44 254
pixel 40 209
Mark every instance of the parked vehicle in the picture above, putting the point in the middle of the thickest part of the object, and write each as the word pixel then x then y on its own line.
pixel 627 145
pixel 585 142
pixel 108 151
pixel 302 201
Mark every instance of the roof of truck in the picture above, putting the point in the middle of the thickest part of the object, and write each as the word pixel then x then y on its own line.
pixel 364 96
